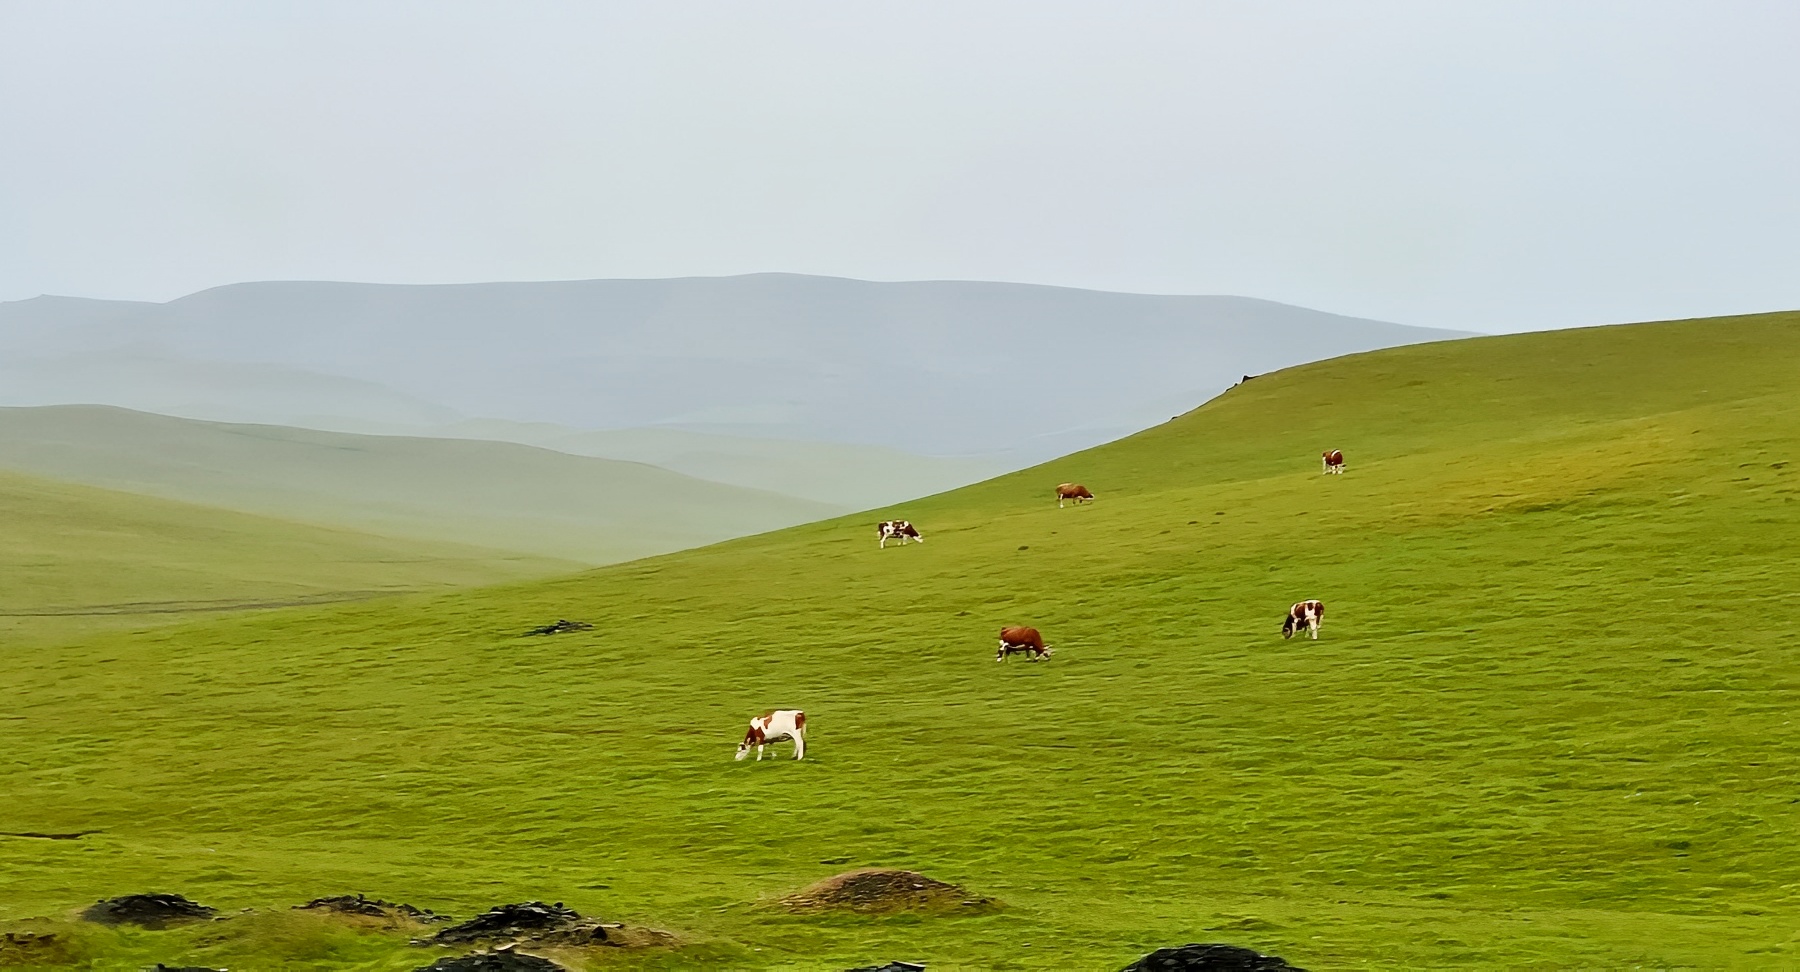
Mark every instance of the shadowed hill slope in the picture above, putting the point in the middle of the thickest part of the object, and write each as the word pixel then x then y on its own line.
pixel 493 494
pixel 1548 723
pixel 74 558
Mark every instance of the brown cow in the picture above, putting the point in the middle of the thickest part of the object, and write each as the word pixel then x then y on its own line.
pixel 1072 491
pixel 1023 639
pixel 1334 463
pixel 1307 615
pixel 772 725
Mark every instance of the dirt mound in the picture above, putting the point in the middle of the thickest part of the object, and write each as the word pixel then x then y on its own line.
pixel 499 960
pixel 34 948
pixel 561 625
pixel 880 891
pixel 536 923
pixel 515 921
pixel 1209 958
pixel 361 906
pixel 147 911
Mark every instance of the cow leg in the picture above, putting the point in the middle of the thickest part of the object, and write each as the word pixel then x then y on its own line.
pixel 800 744
pixel 759 749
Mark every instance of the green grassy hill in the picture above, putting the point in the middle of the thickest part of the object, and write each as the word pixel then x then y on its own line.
pixel 74 559
pixel 1549 723
pixel 494 494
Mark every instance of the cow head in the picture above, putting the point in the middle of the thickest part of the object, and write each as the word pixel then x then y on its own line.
pixel 1288 624
pixel 754 737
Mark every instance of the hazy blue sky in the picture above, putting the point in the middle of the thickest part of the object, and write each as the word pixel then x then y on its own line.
pixel 1490 166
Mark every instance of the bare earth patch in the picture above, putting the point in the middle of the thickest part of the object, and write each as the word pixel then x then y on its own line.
pixel 369 912
pixel 1209 958
pixel 883 891
pixel 147 911
pixel 28 948
pixel 548 926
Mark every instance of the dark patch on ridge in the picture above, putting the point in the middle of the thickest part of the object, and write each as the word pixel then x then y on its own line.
pixel 499 960
pixel 360 904
pixel 561 625
pixel 527 920
pixel 1196 957
pixel 147 911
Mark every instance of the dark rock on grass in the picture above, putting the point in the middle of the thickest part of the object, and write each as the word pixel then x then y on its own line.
pixel 528 920
pixel 366 907
pixel 562 625
pixel 1209 958
pixel 159 967
pixel 882 891
pixel 890 967
pixel 500 960
pixel 147 911
pixel 536 923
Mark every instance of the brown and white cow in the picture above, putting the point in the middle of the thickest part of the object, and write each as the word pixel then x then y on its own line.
pixel 1306 614
pixel 897 530
pixel 1334 463
pixel 1072 491
pixel 1027 640
pixel 772 725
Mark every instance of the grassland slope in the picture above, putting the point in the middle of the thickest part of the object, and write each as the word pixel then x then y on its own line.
pixel 74 559
pixel 1549 723
pixel 494 494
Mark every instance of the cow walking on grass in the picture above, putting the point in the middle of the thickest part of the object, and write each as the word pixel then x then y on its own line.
pixel 900 530
pixel 1073 491
pixel 771 726
pixel 1027 640
pixel 1334 462
pixel 1306 615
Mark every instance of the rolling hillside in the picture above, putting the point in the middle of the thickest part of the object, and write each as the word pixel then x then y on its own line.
pixel 74 559
pixel 1548 725
pixel 491 494
pixel 848 476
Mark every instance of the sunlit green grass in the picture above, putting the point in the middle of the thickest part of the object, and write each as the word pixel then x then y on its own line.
pixel 1548 724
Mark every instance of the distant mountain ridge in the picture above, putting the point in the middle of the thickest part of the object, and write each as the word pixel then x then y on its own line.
pixel 933 367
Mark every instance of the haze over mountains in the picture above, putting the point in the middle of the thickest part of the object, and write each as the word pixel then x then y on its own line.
pixel 1013 373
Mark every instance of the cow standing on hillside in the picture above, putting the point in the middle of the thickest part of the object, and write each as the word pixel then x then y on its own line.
pixel 1023 639
pixel 1334 463
pixel 772 725
pixel 1072 491
pixel 897 530
pixel 1306 614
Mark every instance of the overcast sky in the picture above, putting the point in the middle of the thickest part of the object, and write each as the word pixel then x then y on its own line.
pixel 1489 166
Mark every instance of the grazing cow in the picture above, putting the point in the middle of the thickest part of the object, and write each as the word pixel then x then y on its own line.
pixel 1306 614
pixel 899 530
pixel 1072 491
pixel 775 724
pixel 1334 463
pixel 1022 639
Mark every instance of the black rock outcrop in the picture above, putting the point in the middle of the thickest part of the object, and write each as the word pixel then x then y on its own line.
pixel 1209 958
pixel 496 961
pixel 147 911
pixel 531 919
